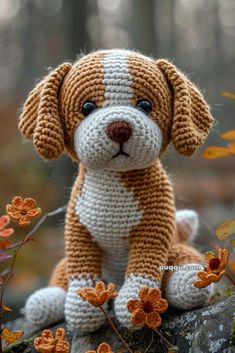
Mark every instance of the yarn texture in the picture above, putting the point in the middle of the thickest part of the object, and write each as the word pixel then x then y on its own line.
pixel 115 112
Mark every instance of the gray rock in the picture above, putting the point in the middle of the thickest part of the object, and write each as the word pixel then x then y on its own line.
pixel 204 330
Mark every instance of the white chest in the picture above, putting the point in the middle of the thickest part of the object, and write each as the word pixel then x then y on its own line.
pixel 108 210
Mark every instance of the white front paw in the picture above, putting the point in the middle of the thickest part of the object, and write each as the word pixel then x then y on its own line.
pixel 180 291
pixel 130 290
pixel 80 315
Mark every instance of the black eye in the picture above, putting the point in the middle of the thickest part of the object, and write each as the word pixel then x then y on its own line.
pixel 88 107
pixel 144 105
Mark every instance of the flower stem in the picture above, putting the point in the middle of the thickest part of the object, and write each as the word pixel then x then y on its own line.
pixel 114 329
pixel 6 283
pixel 12 267
pixel 150 344
pixel 163 338
pixel 230 278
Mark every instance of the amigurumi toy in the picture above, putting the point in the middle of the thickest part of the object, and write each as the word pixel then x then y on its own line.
pixel 115 112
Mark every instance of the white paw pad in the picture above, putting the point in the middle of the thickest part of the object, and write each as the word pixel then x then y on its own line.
pixel 81 316
pixel 130 290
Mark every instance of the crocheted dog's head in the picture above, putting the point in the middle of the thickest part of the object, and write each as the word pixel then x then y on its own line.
pixel 115 110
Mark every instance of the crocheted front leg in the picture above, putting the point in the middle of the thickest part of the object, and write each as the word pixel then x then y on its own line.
pixel 83 270
pixel 46 306
pixel 178 285
pixel 149 241
pixel 84 262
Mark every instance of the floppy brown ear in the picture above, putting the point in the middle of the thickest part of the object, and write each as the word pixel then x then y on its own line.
pixel 40 118
pixel 191 115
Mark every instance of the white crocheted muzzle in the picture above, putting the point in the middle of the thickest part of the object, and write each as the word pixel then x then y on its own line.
pixel 96 149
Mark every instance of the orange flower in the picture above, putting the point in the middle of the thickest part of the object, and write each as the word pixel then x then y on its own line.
pixel 207 278
pixel 214 270
pixel 216 264
pixel 4 244
pixel 5 232
pixel 22 210
pixel 10 336
pixel 46 343
pixel 147 309
pixel 103 348
pixel 99 295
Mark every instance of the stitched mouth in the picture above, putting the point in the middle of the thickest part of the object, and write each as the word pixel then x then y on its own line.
pixel 121 152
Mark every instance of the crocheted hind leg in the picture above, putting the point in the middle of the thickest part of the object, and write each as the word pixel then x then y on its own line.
pixel 178 285
pixel 46 305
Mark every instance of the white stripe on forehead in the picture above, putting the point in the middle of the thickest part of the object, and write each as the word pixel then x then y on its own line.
pixel 117 78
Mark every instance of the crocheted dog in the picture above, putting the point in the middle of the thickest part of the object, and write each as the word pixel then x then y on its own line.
pixel 115 112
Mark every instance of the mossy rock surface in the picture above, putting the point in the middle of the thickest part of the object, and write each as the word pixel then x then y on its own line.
pixel 205 330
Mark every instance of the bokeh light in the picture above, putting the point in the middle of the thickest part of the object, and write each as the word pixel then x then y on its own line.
pixel 9 9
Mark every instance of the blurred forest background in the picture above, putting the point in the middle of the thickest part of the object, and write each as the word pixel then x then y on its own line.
pixel 198 35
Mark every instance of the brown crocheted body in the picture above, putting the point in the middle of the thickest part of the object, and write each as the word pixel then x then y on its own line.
pixel 152 243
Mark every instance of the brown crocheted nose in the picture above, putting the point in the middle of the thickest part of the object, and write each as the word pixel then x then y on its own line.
pixel 119 131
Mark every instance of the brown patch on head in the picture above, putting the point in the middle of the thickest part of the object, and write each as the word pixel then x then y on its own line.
pixel 84 82
pixel 149 83
pixel 179 108
pixel 54 107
